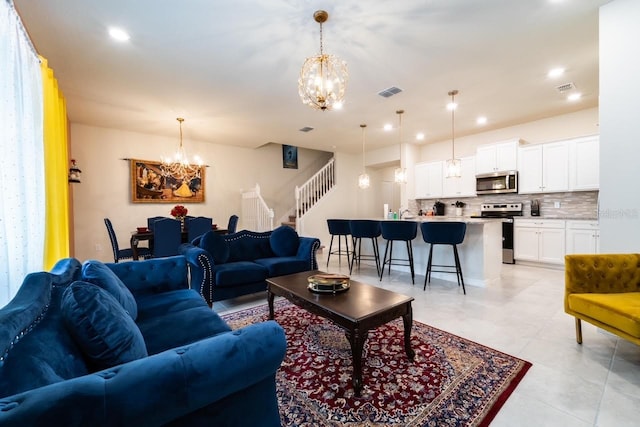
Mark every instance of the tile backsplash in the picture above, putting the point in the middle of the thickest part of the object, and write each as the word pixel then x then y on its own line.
pixel 572 205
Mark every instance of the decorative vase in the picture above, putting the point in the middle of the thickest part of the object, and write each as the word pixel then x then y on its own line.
pixel 458 211
pixel 181 223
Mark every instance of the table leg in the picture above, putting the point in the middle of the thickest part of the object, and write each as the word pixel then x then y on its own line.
pixel 407 320
pixel 134 247
pixel 356 340
pixel 270 298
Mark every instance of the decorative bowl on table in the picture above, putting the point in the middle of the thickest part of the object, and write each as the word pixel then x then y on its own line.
pixel 328 283
pixel 142 229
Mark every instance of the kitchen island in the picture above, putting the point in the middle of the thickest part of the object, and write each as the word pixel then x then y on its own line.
pixel 480 252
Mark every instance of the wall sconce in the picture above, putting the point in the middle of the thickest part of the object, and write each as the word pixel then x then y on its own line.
pixel 74 172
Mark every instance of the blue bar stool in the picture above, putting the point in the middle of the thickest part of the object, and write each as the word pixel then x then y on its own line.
pixel 340 228
pixel 365 229
pixel 404 231
pixel 444 233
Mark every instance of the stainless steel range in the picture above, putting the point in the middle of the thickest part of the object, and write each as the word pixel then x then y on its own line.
pixel 506 211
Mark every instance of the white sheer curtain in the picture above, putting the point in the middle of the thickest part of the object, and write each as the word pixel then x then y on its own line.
pixel 22 193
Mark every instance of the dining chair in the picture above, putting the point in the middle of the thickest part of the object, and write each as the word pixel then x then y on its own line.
pixel 233 224
pixel 197 226
pixel 167 237
pixel 126 253
pixel 152 220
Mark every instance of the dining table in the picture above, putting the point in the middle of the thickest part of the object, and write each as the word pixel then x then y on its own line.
pixel 147 235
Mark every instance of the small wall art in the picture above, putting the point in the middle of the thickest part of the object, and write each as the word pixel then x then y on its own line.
pixel 289 157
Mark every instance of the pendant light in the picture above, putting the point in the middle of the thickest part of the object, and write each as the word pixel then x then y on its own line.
pixel 323 77
pixel 453 165
pixel 180 168
pixel 363 179
pixel 400 174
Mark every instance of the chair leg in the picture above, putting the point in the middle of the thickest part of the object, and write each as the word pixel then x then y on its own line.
pixel 578 331
pixel 410 252
pixel 384 260
pixel 355 255
pixel 330 246
pixel 459 268
pixel 427 275
pixel 390 255
pixel 376 253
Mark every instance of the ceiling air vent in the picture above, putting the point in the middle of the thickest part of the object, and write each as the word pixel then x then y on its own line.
pixel 306 129
pixel 565 87
pixel 386 93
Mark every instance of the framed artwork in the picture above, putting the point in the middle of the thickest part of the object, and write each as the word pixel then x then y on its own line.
pixel 150 183
pixel 289 157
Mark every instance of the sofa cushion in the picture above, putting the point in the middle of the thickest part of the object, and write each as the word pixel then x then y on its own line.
pixel 98 273
pixel 176 318
pixel 216 245
pixel 239 273
pixel 100 325
pixel 279 266
pixel 618 310
pixel 284 241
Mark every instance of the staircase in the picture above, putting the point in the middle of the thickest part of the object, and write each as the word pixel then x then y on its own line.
pixel 256 215
pixel 316 187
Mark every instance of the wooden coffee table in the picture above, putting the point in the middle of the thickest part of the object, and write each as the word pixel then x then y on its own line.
pixel 361 308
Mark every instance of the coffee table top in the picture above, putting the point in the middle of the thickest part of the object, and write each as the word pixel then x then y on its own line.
pixel 359 302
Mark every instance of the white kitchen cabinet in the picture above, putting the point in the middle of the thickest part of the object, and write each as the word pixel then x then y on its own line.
pixel 465 185
pixel 584 163
pixel 428 176
pixel 539 240
pixel 543 168
pixel 501 156
pixel 583 237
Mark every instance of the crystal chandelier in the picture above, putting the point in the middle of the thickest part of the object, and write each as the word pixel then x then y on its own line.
pixel 400 174
pixel 363 179
pixel 180 169
pixel 323 78
pixel 453 165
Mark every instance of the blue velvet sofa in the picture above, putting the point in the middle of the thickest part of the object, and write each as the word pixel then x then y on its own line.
pixel 231 265
pixel 129 344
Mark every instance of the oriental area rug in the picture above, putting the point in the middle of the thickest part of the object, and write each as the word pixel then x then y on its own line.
pixel 451 382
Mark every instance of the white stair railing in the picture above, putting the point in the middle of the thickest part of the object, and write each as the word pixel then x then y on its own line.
pixel 309 193
pixel 256 215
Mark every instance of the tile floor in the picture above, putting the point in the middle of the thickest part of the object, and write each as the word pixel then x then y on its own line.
pixel 569 385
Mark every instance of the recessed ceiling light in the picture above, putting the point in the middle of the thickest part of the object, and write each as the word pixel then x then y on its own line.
pixel 574 96
pixel 118 34
pixel 388 127
pixel 555 72
pixel 420 136
pixel 482 120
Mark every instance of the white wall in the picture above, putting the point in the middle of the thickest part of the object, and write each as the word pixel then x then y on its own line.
pixel 619 127
pixel 105 188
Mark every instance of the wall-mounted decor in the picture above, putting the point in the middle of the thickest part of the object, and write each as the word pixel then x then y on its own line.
pixel 289 157
pixel 151 184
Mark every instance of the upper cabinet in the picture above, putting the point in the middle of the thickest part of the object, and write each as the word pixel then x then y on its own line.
pixel 584 163
pixel 570 165
pixel 428 178
pixel 465 185
pixel 501 156
pixel 544 168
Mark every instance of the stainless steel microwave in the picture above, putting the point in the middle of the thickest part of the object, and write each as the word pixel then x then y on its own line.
pixel 497 182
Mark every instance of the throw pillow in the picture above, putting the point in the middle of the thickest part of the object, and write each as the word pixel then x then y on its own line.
pixel 107 335
pixel 284 241
pixel 216 245
pixel 99 274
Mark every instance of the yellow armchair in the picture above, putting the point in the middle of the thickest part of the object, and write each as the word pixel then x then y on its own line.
pixel 604 290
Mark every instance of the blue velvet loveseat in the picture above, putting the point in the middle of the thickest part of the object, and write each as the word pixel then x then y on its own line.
pixel 129 344
pixel 231 265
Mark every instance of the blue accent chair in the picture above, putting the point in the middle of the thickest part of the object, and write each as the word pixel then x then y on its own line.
pixel 125 253
pixel 167 237
pixel 233 224
pixel 181 364
pixel 197 226
pixel 403 231
pixel 444 233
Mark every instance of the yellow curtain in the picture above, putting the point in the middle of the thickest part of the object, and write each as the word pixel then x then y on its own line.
pixel 56 165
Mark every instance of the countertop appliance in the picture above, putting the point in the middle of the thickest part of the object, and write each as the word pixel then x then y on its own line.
pixel 535 207
pixel 497 182
pixel 506 211
pixel 438 208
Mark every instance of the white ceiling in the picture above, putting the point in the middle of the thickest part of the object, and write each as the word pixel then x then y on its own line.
pixel 230 68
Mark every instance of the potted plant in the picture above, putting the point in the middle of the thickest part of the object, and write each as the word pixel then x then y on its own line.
pixel 459 205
